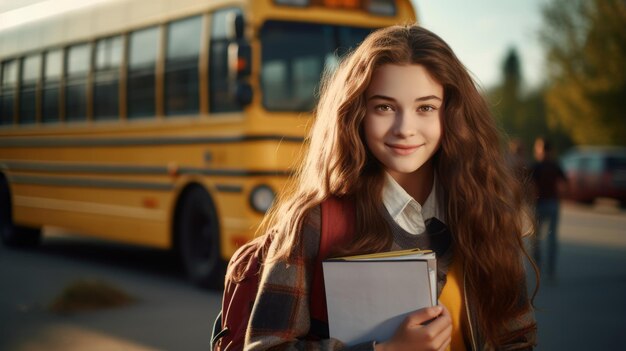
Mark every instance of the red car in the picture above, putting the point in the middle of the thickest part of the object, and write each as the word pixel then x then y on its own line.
pixel 596 171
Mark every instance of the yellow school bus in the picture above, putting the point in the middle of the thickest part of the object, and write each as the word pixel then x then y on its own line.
pixel 163 123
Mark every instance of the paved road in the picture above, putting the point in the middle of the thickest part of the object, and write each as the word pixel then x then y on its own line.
pixel 585 309
pixel 169 315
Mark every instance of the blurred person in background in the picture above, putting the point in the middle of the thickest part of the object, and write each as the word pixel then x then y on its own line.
pixel 516 158
pixel 549 181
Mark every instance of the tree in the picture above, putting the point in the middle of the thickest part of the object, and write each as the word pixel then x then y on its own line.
pixel 506 97
pixel 510 93
pixel 521 112
pixel 585 44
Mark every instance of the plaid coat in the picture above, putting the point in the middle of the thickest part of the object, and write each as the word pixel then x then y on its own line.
pixel 280 317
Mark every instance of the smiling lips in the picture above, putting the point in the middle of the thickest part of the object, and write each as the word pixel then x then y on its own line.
pixel 403 150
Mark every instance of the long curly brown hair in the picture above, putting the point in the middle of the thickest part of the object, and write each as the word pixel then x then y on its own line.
pixel 485 205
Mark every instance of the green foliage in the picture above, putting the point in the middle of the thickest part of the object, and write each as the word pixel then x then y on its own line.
pixel 508 95
pixel 522 115
pixel 585 42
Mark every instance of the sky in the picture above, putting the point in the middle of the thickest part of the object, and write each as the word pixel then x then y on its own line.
pixel 480 32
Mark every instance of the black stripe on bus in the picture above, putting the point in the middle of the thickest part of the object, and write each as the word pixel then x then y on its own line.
pixel 91 183
pixel 82 168
pixel 126 169
pixel 146 141
pixel 227 188
pixel 234 172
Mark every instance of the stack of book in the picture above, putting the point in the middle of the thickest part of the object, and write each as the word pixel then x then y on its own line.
pixel 368 296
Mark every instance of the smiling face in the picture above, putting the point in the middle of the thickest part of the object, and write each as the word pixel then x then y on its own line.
pixel 403 121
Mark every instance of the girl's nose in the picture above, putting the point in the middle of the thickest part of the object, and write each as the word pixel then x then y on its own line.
pixel 404 126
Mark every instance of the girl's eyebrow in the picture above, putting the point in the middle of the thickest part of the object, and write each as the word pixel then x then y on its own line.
pixel 429 97
pixel 423 98
pixel 381 97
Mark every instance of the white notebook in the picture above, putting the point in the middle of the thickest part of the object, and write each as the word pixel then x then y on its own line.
pixel 369 296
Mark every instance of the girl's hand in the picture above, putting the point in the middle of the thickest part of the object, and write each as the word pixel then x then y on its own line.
pixel 416 333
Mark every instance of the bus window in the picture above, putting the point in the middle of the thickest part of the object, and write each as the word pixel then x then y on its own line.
pixel 221 87
pixel 181 66
pixel 76 82
pixel 293 59
pixel 30 75
pixel 53 69
pixel 9 80
pixel 349 38
pixel 107 78
pixel 142 56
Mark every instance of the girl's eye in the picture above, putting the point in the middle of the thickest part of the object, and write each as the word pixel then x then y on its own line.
pixel 426 108
pixel 383 108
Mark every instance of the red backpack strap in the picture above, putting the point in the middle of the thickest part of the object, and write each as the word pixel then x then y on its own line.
pixel 337 227
pixel 240 290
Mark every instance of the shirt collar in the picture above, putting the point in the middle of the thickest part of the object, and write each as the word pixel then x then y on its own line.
pixel 405 210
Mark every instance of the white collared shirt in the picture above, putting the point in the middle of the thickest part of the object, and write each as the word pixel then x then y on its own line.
pixel 406 211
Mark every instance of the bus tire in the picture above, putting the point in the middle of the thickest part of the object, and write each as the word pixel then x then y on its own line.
pixel 12 235
pixel 199 241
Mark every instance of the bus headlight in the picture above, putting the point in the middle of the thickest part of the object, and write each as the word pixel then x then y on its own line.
pixel 261 198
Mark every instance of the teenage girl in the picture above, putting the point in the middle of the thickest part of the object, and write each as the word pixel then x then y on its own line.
pixel 402 130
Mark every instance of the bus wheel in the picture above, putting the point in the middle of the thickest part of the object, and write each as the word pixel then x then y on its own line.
pixel 198 232
pixel 14 235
